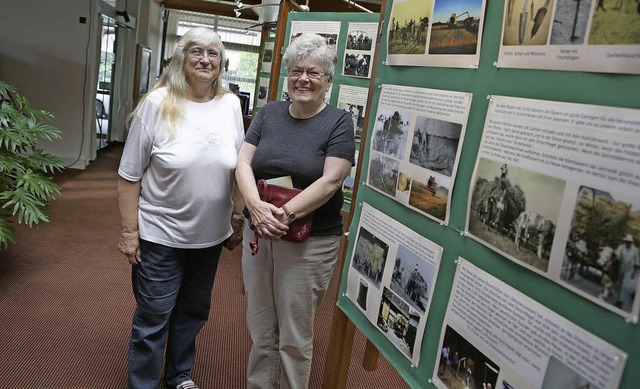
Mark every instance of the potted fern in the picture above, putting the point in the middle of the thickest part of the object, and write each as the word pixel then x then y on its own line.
pixel 25 183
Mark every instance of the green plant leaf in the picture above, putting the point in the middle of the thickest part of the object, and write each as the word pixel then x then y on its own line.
pixel 29 209
pixel 39 186
pixel 25 189
pixel 11 164
pixel 43 162
pixel 7 233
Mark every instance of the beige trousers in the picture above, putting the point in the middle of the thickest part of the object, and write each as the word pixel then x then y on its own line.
pixel 284 284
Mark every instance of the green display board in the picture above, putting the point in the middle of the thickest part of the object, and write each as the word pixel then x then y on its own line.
pixel 260 93
pixel 575 87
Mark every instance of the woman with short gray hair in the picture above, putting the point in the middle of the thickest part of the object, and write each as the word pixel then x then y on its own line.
pixel 313 143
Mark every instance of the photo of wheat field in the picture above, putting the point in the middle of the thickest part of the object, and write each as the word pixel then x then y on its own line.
pixel 616 22
pixel 455 27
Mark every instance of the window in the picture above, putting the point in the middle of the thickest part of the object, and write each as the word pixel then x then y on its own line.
pixel 241 39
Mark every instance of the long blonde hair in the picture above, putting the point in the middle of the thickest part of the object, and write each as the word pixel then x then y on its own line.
pixel 175 80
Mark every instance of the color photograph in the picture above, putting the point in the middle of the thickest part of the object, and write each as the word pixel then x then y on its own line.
pixel 462 366
pixel 615 22
pixel 409 26
pixel 429 197
pixel 455 27
pixel 527 22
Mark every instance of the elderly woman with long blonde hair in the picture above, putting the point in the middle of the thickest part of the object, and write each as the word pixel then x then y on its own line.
pixel 178 206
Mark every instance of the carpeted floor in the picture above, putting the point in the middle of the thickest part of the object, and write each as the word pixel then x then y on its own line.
pixel 66 302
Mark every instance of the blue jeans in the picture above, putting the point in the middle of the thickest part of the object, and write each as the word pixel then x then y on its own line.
pixel 172 288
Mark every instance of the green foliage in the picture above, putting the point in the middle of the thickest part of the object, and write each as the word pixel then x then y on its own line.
pixel 248 66
pixel 25 188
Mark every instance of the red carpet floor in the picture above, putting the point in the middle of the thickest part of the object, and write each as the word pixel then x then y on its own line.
pixel 66 302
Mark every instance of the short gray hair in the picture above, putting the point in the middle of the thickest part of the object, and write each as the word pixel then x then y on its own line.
pixel 311 46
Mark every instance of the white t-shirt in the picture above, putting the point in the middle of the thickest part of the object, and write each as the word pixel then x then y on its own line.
pixel 188 174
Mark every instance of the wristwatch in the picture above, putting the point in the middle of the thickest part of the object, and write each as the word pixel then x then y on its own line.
pixel 290 215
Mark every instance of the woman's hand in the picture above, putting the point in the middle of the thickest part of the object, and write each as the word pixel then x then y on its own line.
pixel 268 220
pixel 236 236
pixel 128 196
pixel 130 245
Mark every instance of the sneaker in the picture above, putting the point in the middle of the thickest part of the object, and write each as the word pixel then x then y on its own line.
pixel 188 384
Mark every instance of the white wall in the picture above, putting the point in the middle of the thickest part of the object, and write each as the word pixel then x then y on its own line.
pixel 52 59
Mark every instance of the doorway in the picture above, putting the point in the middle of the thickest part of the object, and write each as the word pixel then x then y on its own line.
pixel 106 71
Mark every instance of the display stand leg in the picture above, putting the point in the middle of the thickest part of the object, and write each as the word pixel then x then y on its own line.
pixel 338 357
pixel 370 360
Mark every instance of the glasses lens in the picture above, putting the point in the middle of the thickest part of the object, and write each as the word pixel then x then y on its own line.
pixel 199 53
pixel 196 53
pixel 312 74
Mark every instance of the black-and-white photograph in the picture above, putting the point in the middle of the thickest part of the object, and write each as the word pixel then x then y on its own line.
pixel 435 145
pixel 370 256
pixel 357 116
pixel 262 92
pixel 390 132
pixel 462 366
pixel 560 376
pixel 516 211
pixel 359 40
pixel 357 64
pixel 383 174
pixel 331 39
pixel 601 255
pixel 411 279
pixel 398 322
pixel 268 55
pixel 363 294
pixel 570 21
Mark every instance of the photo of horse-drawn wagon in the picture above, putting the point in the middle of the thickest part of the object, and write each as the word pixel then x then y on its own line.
pixel 604 228
pixel 515 211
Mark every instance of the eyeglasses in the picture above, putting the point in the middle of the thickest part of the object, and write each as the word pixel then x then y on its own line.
pixel 311 74
pixel 200 53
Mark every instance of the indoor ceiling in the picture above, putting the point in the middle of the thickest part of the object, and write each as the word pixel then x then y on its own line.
pixel 226 8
